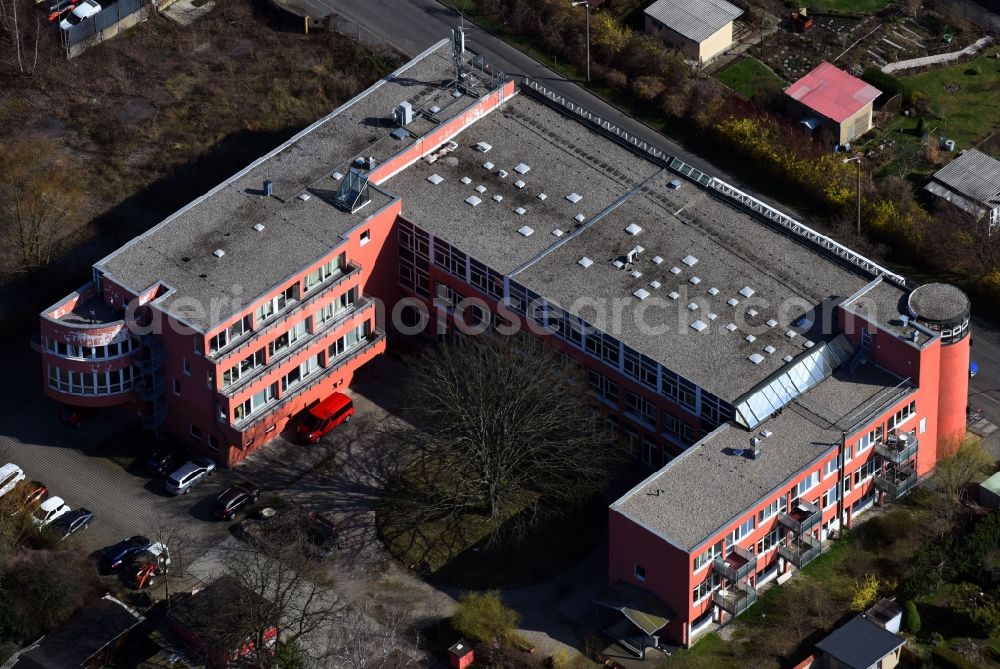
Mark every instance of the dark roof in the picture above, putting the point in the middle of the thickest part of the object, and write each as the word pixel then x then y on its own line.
pixel 974 175
pixel 860 643
pixel 644 609
pixel 205 611
pixel 84 636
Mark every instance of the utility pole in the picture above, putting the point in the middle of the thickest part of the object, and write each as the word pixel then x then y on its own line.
pixel 586 4
pixel 857 159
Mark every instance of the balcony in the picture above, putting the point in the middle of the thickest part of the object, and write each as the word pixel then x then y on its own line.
pixel 360 349
pixel 801 552
pixel 294 308
pixel 736 599
pixel 360 305
pixel 898 449
pixel 802 518
pixel 896 482
pixel 737 565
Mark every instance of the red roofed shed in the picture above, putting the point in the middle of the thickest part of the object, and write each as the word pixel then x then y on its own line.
pixel 842 102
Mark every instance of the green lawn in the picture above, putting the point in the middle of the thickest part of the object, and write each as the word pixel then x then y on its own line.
pixel 862 6
pixel 750 77
pixel 964 96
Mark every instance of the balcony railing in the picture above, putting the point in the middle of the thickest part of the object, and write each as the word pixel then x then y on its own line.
pixel 359 306
pixel 898 449
pixel 737 565
pixel 801 519
pixel 896 482
pixel 323 374
pixel 802 551
pixel 736 599
pixel 293 308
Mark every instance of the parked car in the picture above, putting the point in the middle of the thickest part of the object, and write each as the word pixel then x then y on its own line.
pixel 164 460
pixel 121 554
pixel 26 496
pixel 69 524
pixel 10 476
pixel 230 501
pixel 84 10
pixel 973 368
pixel 74 416
pixel 50 509
pixel 188 475
pixel 324 416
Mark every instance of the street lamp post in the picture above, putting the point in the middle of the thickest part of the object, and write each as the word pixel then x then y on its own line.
pixel 857 159
pixel 586 4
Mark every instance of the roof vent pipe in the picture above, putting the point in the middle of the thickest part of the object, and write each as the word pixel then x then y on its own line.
pixel 268 188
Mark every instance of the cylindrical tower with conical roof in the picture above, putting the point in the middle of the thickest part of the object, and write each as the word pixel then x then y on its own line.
pixel 945 309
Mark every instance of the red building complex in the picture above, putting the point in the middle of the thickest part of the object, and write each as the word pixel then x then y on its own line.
pixel 778 382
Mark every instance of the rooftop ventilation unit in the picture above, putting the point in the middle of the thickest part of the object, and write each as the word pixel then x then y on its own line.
pixel 690 261
pixel 633 229
pixel 520 211
pixel 751 313
pixel 400 133
pixel 904 319
pixel 498 198
pixel 488 165
pixel 579 218
pixel 558 232
pixel 693 306
pixel 675 270
pixel 751 338
pixel 713 291
pixel 403 114
pixel 731 327
pixel 473 200
pixel 525 231
pixel 809 343
pixel 218 253
pixel 636 274
pixel 769 349
pixel 787 358
pixel 618 264
pixel 353 192
pixel 521 168
pixel 657 260
pixel 304 196
pixel 654 284
pixel 771 322
pixel 502 174
pixel 542 196
pixel 584 262
pixel 259 227
pixel 519 184
pixel 756 358
pixel 484 147
pixel 268 188
pixel 673 295
pixel 698 326
pixel 633 255
pixel 791 334
pixel 641 293
pixel 365 163
pixel 337 176
pixel 914 335
pixel 466 180
pixel 480 188
pixel 755 441
pixel 712 317
pixel 747 291
pixel 732 301
pixel 574 197
pixel 435 179
pixel 695 280
pixel 766 433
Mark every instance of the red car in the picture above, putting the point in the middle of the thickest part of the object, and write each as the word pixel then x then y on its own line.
pixel 324 416
pixel 26 496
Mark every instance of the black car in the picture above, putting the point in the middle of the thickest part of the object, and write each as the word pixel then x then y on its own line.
pixel 70 523
pixel 164 460
pixel 231 500
pixel 115 557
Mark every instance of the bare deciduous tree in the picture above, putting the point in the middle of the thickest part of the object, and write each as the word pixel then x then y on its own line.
pixel 371 638
pixel 38 196
pixel 22 34
pixel 502 427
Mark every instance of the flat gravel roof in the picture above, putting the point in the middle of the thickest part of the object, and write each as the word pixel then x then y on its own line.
pixel 709 486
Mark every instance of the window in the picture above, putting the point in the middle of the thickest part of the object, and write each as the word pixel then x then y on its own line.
pixel 640 572
pixel 276 304
pixel 923 425
pixel 648 450
pixel 347 342
pixel 770 541
pixel 323 273
pixel 745 528
pixel 335 308
pixel 903 415
pixel 707 556
pixel 286 339
pixel 242 368
pixel 186 366
pixel 300 373
pixel 447 298
pixel 706 587
pixel 196 432
pixel 256 402
pixel 772 509
pixel 114 350
pixel 603 387
pixel 640 408
pixel 177 387
pixel 848 453
pixel 631 442
pixel 809 483
pixel 90 383
pixel 870 439
pixel 831 467
pixel 366 236
pixel 213 442
pixel 831 496
pixel 229 335
pixel 864 472
pixel 198 345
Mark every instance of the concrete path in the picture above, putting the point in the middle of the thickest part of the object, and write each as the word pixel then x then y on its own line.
pixel 937 59
pixel 185 12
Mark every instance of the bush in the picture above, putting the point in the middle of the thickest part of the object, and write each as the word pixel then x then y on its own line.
pixel 888 84
pixel 946 658
pixel 484 617
pixel 911 618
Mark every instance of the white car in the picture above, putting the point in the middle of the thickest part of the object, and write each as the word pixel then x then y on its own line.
pixel 50 509
pixel 10 476
pixel 84 10
pixel 190 473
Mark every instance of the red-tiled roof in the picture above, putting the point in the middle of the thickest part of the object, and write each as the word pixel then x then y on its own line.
pixel 832 92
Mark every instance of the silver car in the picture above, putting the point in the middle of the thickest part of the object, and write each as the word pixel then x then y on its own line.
pixel 188 475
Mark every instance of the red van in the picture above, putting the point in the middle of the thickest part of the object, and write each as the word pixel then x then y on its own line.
pixel 324 416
